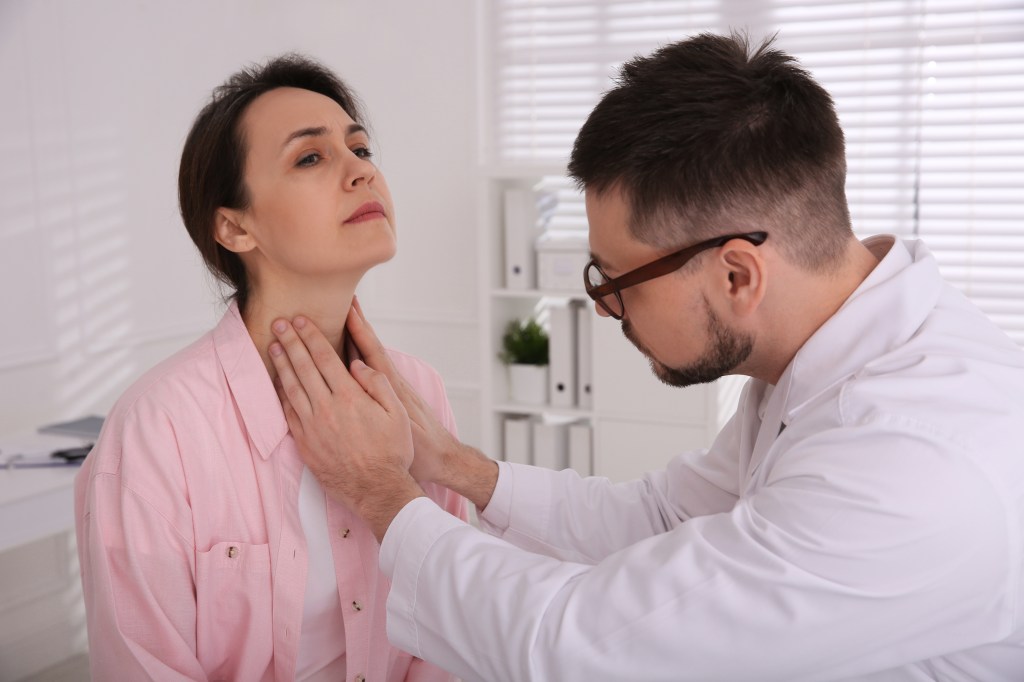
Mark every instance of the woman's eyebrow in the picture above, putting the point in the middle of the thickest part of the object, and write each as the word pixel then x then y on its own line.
pixel 316 131
pixel 319 131
pixel 305 132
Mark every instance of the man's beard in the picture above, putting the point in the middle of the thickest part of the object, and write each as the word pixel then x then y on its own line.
pixel 727 349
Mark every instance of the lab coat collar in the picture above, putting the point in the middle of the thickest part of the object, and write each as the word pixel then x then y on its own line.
pixel 882 314
pixel 250 383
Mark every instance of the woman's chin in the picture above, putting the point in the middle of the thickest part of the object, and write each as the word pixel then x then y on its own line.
pixel 386 253
pixel 377 256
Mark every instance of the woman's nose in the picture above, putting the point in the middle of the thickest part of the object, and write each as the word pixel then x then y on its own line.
pixel 360 171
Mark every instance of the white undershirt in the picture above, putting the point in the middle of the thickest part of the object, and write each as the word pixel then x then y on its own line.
pixel 321 657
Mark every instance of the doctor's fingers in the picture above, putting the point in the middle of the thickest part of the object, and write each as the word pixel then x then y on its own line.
pixel 366 341
pixel 314 360
pixel 289 389
pixel 378 387
pixel 290 415
pixel 373 352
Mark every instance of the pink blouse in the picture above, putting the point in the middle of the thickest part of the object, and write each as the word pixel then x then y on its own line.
pixel 192 552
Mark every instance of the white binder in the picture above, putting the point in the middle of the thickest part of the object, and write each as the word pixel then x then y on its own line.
pixel 550 443
pixel 580 448
pixel 520 231
pixel 520 234
pixel 562 351
pixel 527 213
pixel 584 357
pixel 518 440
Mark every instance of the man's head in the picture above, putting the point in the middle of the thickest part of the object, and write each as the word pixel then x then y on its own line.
pixel 708 137
pixel 709 131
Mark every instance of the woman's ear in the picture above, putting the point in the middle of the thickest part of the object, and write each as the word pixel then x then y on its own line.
pixel 229 233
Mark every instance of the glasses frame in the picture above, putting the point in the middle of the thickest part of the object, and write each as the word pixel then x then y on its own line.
pixel 654 269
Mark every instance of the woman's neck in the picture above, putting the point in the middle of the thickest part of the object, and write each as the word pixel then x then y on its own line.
pixel 326 307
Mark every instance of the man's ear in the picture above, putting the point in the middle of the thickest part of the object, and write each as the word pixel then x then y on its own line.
pixel 746 276
pixel 229 233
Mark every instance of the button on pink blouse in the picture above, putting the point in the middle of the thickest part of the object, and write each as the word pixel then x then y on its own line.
pixel 192 552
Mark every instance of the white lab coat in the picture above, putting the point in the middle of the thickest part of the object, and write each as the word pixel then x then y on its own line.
pixel 862 519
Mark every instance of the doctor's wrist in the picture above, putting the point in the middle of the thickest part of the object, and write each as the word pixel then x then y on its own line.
pixel 390 495
pixel 470 473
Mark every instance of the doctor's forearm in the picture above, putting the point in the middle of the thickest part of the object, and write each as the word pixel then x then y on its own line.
pixel 470 473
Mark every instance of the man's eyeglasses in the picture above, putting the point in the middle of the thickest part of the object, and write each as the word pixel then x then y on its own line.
pixel 606 291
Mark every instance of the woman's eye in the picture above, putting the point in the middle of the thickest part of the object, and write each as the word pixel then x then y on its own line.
pixel 310 159
pixel 363 152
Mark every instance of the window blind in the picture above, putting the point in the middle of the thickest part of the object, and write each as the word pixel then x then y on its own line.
pixel 930 94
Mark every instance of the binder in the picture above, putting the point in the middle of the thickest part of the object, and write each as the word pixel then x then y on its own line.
pixel 527 213
pixel 550 445
pixel 518 440
pixel 580 448
pixel 584 357
pixel 520 234
pixel 562 356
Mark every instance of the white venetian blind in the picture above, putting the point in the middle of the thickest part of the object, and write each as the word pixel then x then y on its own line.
pixel 930 94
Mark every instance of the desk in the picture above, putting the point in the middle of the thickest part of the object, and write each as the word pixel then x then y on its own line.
pixel 40 591
pixel 37 503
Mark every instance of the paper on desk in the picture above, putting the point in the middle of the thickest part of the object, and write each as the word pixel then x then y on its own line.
pixel 36 450
pixel 86 427
pixel 35 460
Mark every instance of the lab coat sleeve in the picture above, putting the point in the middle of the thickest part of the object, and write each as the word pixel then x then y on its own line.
pixel 810 579
pixel 458 507
pixel 560 514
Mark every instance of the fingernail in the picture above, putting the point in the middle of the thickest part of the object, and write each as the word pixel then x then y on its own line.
pixel 299 322
pixel 280 326
pixel 359 364
pixel 275 349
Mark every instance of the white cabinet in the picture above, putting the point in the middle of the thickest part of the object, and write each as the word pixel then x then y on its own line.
pixel 638 423
pixel 625 387
pixel 624 449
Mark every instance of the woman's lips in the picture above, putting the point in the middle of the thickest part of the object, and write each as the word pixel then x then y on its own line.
pixel 371 210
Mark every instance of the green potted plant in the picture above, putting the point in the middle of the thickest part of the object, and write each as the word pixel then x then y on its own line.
pixel 524 349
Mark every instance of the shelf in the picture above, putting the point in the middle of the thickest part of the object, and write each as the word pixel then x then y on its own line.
pixel 550 410
pixel 538 293
pixel 634 414
pixel 510 170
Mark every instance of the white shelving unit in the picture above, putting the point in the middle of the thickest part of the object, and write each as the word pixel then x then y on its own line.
pixel 637 422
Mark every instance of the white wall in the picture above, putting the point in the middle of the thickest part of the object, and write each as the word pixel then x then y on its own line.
pixel 98 279
pixel 98 276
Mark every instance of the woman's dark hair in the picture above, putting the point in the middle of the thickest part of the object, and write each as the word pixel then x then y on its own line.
pixel 707 136
pixel 212 171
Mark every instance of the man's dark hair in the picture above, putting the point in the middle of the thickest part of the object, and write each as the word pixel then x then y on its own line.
pixel 212 170
pixel 707 136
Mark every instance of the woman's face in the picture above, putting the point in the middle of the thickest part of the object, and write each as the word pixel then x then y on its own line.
pixel 318 205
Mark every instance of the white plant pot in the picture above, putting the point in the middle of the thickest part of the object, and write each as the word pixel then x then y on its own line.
pixel 528 384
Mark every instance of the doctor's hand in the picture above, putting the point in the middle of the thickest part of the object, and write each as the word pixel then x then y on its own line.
pixel 352 430
pixel 434 444
pixel 439 457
